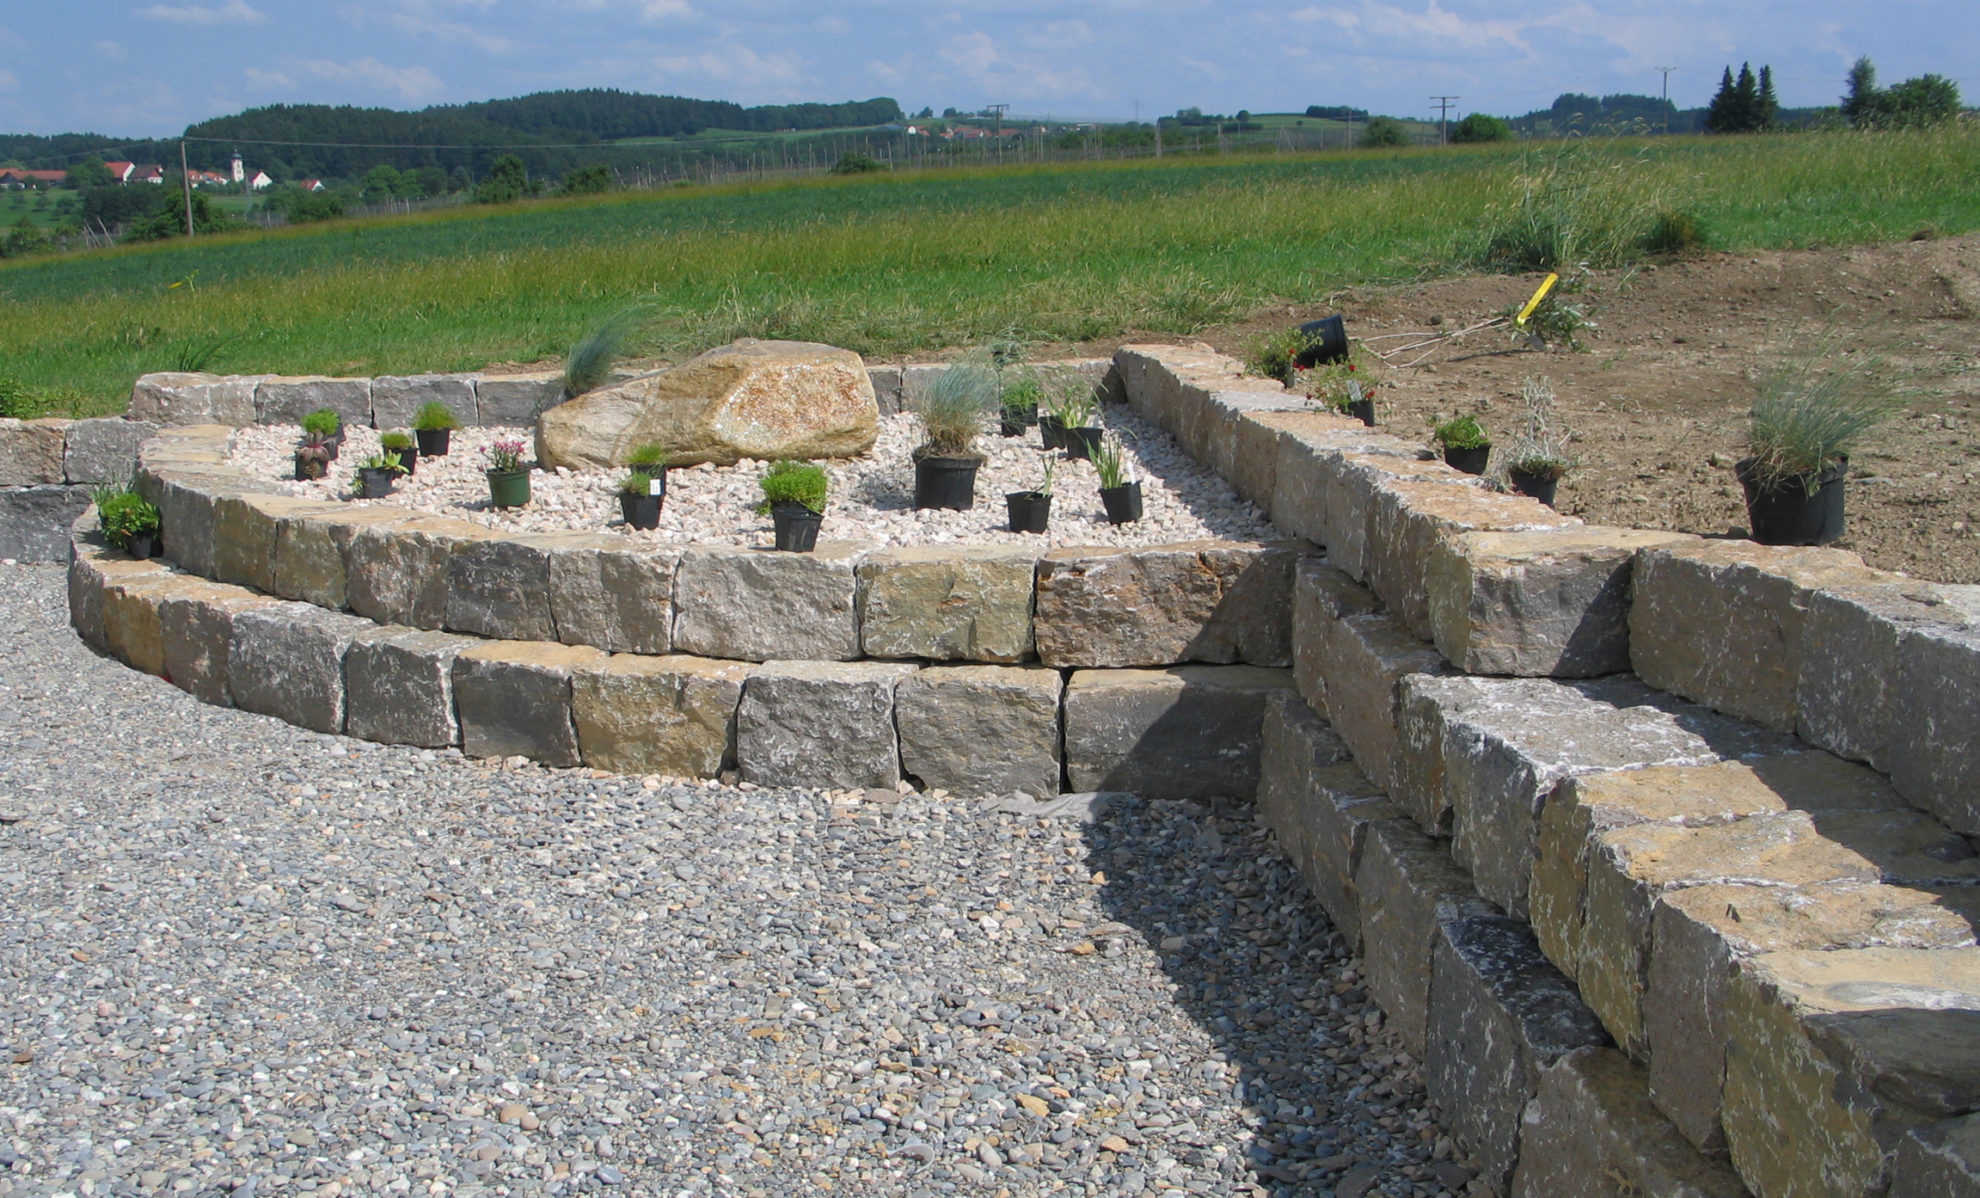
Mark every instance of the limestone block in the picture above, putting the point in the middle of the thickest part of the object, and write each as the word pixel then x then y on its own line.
pixel 1220 427
pixel 1410 516
pixel 1307 476
pixel 131 631
pixel 1144 379
pixel 1255 470
pixel 1186 732
pixel 500 588
pixel 245 529
pixel 1544 604
pixel 1699 932
pixel 515 400
pixel 1939 1161
pixel 397 572
pixel 613 592
pixel 1846 693
pixel 750 399
pixel 103 450
pixel 171 399
pixel 886 382
pixel 667 715
pixel 279 400
pixel 1834 1056
pixel 187 500
pixel 820 723
pixel 1319 805
pixel 1209 601
pixel 287 660
pixel 1937 724
pixel 1406 888
pixel 311 549
pixel 948 602
pixel 1322 596
pixel 92 569
pixel 196 634
pixel 1355 656
pixel 514 699
pixel 1348 489
pixel 981 730
pixel 759 605
pixel 1161 381
pixel 31 451
pixel 396 399
pixel 1720 622
pixel 35 521
pixel 399 685
pixel 1490 752
pixel 1591 1133
pixel 1500 1016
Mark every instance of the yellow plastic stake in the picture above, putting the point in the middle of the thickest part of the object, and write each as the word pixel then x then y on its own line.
pixel 1546 285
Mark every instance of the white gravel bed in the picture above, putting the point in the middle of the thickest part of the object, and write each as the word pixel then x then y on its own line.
pixel 872 497
pixel 240 957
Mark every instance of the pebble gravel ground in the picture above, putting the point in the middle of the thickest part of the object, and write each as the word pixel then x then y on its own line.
pixel 237 957
pixel 872 496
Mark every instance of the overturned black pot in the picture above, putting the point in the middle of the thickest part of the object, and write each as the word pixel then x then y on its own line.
pixel 1123 503
pixel 1081 442
pixel 1329 342
pixel 945 483
pixel 1470 461
pixel 1803 509
pixel 433 441
pixel 1031 511
pixel 796 526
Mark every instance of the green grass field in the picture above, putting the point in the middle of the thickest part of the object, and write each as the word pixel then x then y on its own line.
pixel 905 262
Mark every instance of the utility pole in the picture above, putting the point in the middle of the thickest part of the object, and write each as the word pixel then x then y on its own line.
pixel 1666 71
pixel 1443 104
pixel 1000 110
pixel 185 177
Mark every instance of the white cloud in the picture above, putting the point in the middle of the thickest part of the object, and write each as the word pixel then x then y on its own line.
pixel 269 80
pixel 227 12
pixel 665 10
pixel 8 80
pixel 111 51
pixel 451 31
pixel 740 65
pixel 412 83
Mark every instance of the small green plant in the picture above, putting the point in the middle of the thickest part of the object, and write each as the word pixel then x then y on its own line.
pixel 952 410
pixel 383 461
pixel 123 514
pixel 1109 463
pixel 1068 396
pixel 1541 448
pixel 13 398
pixel 589 363
pixel 399 443
pixel 1811 413
pixel 793 482
pixel 637 482
pixel 1338 384
pixel 1047 465
pixel 322 424
pixel 434 416
pixel 1021 395
pixel 648 458
pixel 193 357
pixel 1460 432
pixel 1271 355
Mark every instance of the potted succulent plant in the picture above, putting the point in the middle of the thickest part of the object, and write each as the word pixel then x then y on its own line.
pixel 312 462
pixel 128 519
pixel 1031 511
pixel 324 428
pixel 644 488
pixel 1538 457
pixel 1805 421
pixel 1119 494
pixel 794 496
pixel 508 482
pixel 1465 445
pixel 402 445
pixel 433 427
pixel 951 411
pixel 375 475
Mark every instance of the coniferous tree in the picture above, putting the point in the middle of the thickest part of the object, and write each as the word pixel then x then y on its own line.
pixel 1746 102
pixel 1767 111
pixel 1859 103
pixel 1719 115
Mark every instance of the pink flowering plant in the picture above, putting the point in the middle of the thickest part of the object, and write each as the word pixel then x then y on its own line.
pixel 505 457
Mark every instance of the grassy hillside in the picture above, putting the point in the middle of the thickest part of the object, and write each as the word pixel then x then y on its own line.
pixel 906 262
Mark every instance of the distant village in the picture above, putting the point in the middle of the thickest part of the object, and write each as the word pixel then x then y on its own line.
pixel 14 178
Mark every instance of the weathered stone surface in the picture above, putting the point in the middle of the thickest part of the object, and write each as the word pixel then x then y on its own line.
pixel 1941 1160
pixel 1186 732
pixel 31 451
pixel 759 605
pixel 752 399
pixel 1209 601
pixel 514 698
pixel 1406 888
pixel 886 382
pixel 500 588
pixel 1408 517
pixel 981 730
pixel 187 499
pixel 1834 1056
pixel 948 602
pixel 1255 471
pixel 279 400
pixel 613 593
pixel 667 715
pixel 245 529
pixel 1154 378
pixel 399 685
pixel 1319 805
pixel 1354 656
pixel 1539 604
pixel 515 399
pixel 1846 691
pixel 287 660
pixel 819 723
pixel 1350 478
pixel 92 568
pixel 34 521
pixel 129 613
pixel 1312 468
pixel 193 399
pixel 1591 1133
pixel 1937 724
pixel 1720 622
pixel 1222 414
pixel 310 552
pixel 1698 932
pixel 397 573
pixel 196 634
pixel 103 450
pixel 1322 595
pixel 396 399
pixel 1490 751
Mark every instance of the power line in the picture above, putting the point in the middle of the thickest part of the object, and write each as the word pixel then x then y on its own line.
pixel 1667 96
pixel 1443 104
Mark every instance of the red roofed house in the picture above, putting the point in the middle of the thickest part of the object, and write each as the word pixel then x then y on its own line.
pixel 13 178
pixel 120 172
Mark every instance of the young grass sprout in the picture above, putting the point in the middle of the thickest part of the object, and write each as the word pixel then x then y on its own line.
pixel 1110 463
pixel 1068 396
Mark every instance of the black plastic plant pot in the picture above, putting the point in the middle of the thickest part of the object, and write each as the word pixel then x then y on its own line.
pixel 1800 510
pixel 796 526
pixel 641 511
pixel 407 458
pixel 311 469
pixel 1031 511
pixel 1329 342
pixel 1051 433
pixel 1363 410
pixel 1470 461
pixel 142 545
pixel 374 482
pixel 945 483
pixel 1123 503
pixel 1534 486
pixel 1013 421
pixel 433 441
pixel 1081 442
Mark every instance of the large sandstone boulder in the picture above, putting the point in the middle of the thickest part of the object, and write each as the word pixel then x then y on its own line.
pixel 752 399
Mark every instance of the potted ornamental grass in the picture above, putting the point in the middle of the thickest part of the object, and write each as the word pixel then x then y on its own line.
pixel 1806 419
pixel 1466 447
pixel 128 520
pixel 1031 511
pixel 644 488
pixel 1071 407
pixel 1120 494
pixel 433 428
pixel 1018 405
pixel 794 497
pixel 324 427
pixel 376 474
pixel 952 409
pixel 1538 458
pixel 508 481
pixel 402 445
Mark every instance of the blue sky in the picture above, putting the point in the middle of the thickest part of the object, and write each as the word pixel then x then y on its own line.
pixel 149 69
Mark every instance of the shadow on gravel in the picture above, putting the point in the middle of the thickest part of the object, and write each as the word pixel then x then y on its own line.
pixel 1257 964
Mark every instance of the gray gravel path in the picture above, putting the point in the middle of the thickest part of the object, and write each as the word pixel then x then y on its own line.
pixel 239 957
